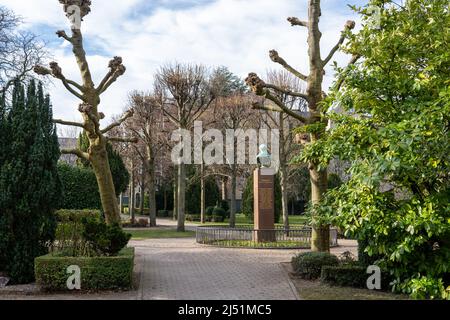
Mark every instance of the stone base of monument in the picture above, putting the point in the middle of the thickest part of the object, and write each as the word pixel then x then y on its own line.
pixel 264 205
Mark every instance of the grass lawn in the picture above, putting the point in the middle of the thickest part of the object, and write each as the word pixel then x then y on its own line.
pixel 159 234
pixel 241 219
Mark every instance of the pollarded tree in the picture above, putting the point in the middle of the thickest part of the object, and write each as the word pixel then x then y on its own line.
pixel 398 146
pixel 183 92
pixel 315 122
pixel 89 94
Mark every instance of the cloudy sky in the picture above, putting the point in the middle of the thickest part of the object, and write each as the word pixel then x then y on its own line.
pixel 148 33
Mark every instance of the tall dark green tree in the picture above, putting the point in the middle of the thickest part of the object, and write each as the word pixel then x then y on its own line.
pixel 121 177
pixel 29 184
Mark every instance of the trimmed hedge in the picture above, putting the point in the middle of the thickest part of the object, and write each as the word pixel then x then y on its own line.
pixel 345 276
pixel 352 275
pixel 97 273
pixel 80 188
pixel 67 215
pixel 308 265
pixel 70 229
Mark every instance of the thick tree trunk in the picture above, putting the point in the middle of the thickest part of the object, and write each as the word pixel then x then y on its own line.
pixel 100 165
pixel 233 196
pixel 181 196
pixel 142 193
pixel 320 238
pixel 151 186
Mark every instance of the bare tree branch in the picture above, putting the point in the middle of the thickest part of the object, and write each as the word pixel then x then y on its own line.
pixel 56 72
pixel 117 69
pixel 277 59
pixel 297 22
pixel 117 123
pixel 77 152
pixel 350 25
pixel 123 139
pixel 69 123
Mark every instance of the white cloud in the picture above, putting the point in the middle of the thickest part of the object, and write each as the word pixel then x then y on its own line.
pixel 234 33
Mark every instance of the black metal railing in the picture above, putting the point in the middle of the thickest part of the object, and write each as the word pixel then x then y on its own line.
pixel 247 237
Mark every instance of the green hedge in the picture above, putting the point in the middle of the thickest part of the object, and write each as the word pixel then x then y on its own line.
pixel 345 276
pixel 80 189
pixel 352 275
pixel 70 229
pixel 97 273
pixel 308 265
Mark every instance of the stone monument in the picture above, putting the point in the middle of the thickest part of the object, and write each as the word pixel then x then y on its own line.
pixel 264 198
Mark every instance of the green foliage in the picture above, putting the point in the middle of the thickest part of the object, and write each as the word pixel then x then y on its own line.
pixel 345 276
pixel 162 214
pixel 194 191
pixel 247 199
pixel 121 177
pixel 308 265
pixel 97 273
pixel 209 211
pixel 104 239
pixel 219 212
pixel 80 189
pixel 69 232
pixel 398 147
pixel 30 188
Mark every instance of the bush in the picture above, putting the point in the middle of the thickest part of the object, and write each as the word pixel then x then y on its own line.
pixel 193 217
pixel 97 273
pixel 224 204
pixel 217 218
pixel 209 211
pixel 345 276
pixel 69 231
pixel 309 265
pixel 141 223
pixel 105 239
pixel 352 275
pixel 219 212
pixel 65 215
pixel 194 192
pixel 80 189
pixel 162 214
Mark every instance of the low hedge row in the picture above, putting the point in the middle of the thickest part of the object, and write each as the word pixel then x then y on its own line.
pixel 97 273
pixel 352 275
pixel 308 265
pixel 69 215
pixel 197 218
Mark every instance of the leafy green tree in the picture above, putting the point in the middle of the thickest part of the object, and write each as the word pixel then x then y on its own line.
pixel 193 190
pixel 395 134
pixel 29 184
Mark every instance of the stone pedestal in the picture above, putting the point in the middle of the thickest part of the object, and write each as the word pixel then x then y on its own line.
pixel 264 204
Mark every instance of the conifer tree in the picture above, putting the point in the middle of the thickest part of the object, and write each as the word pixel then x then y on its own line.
pixel 29 182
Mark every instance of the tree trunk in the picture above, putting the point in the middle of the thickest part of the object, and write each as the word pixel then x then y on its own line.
pixel 175 197
pixel 320 237
pixel 121 203
pixel 233 196
pixel 100 165
pixel 132 196
pixel 202 193
pixel 181 196
pixel 224 188
pixel 151 186
pixel 142 193
pixel 283 173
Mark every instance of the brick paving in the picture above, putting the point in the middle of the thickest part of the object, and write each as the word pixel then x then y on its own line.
pixel 180 269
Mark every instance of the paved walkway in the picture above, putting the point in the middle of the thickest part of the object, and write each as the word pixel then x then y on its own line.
pixel 182 269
